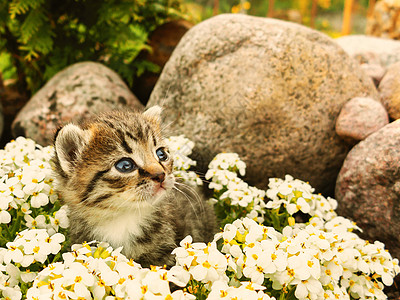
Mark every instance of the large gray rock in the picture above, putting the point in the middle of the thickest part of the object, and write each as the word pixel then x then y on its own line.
pixel 267 89
pixel 368 186
pixel 73 94
pixel 389 89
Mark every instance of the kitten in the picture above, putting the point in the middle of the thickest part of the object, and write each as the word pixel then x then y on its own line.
pixel 115 173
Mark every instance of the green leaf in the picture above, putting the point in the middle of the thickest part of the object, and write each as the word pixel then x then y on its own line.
pixel 32 24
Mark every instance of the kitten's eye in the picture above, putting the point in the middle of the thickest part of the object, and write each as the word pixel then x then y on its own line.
pixel 162 154
pixel 125 165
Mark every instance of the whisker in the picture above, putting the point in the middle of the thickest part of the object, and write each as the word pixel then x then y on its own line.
pixel 194 193
pixel 188 198
pixel 166 126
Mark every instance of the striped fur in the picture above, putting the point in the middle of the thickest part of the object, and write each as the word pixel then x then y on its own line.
pixel 134 210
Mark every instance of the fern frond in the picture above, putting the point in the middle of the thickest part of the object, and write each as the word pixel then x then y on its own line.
pixel 32 23
pixel 42 40
pixel 20 7
pixel 41 43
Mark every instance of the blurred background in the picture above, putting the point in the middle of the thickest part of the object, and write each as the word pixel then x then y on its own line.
pixel 135 38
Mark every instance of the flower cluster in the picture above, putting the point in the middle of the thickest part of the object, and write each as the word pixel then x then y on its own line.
pixel 99 272
pixel 308 262
pixel 181 148
pixel 296 195
pixel 206 272
pixel 23 257
pixel 27 196
pixel 233 198
pixel 261 253
pixel 31 216
pixel 320 258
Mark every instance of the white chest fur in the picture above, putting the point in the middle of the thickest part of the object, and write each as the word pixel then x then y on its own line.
pixel 118 228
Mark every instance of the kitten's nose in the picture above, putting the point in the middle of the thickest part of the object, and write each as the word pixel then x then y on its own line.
pixel 158 177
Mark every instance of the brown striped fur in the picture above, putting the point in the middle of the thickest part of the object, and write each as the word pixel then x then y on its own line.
pixel 127 209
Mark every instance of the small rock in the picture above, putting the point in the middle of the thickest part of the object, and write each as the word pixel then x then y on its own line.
pixel 72 95
pixel 389 89
pixel 372 50
pixel 375 71
pixel 359 118
pixel 271 92
pixel 368 186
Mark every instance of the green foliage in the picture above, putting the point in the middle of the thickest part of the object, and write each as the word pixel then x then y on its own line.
pixel 42 37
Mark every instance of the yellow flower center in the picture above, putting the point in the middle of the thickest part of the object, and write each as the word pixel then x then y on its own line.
pixel 290 272
pixel 328 272
pixel 144 289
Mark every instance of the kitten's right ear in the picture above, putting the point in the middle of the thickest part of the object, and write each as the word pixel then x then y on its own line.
pixel 153 114
pixel 69 143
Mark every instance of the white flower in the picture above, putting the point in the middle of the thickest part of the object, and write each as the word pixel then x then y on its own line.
pixel 78 274
pixel 5 217
pixel 39 199
pixel 60 218
pixel 246 291
pixel 32 178
pixel 38 222
pixel 25 208
pixel 308 289
pixel 14 253
pixel 228 161
pixel 301 204
pixel 210 267
pixel 12 293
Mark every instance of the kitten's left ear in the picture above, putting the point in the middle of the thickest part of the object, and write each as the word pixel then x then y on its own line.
pixel 153 114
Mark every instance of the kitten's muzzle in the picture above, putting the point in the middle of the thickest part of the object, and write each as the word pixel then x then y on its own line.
pixel 156 174
pixel 159 177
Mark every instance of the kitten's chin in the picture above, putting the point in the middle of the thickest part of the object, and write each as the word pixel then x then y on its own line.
pixel 161 189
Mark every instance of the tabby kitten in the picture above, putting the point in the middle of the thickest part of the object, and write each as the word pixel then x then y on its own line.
pixel 115 173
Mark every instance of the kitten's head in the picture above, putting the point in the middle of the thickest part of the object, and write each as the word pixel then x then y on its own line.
pixel 115 161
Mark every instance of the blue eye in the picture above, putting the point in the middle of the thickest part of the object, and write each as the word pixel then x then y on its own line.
pixel 125 165
pixel 162 154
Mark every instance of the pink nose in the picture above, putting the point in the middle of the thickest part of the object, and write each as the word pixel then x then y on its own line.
pixel 158 177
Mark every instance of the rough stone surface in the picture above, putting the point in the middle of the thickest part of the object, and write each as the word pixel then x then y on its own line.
pixel 369 49
pixel 368 186
pixel 359 118
pixel 72 95
pixel 389 89
pixel 375 71
pixel 270 92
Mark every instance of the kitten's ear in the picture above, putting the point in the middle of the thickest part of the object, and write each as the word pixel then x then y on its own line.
pixel 153 114
pixel 69 143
